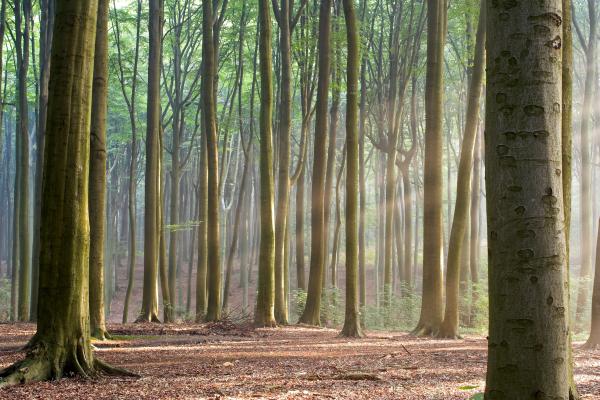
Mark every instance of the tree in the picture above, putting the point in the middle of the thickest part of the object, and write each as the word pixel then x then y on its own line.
pixel 586 216
pixel 311 314
pixel 149 311
pixel 265 301
pixel 213 281
pixel 22 10
pixel 529 345
pixel 352 326
pixel 286 20
pixel 449 327
pixel 97 179
pixel 593 341
pixel 431 306
pixel 46 29
pixel 61 344
pixel 130 100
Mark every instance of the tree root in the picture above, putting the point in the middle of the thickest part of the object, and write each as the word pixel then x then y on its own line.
pixel 447 333
pixel 147 318
pixel 425 330
pixel 352 331
pixel 101 335
pixel 40 365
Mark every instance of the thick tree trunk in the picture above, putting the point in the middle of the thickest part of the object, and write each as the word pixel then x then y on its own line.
pixel 431 306
pixel 61 345
pixel 449 328
pixel 529 347
pixel 312 310
pixel 97 180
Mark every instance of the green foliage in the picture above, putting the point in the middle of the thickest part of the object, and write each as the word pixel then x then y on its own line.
pixel 478 396
pixel 4 299
pixel 402 313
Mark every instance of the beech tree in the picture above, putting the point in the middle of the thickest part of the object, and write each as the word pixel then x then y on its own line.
pixel 61 344
pixel 529 323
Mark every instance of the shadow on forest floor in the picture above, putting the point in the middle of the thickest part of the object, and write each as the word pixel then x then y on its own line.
pixel 227 361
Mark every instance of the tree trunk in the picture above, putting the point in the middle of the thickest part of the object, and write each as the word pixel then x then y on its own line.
pixel 529 324
pixel 449 328
pixel 586 215
pixel 149 311
pixel 593 341
pixel 312 310
pixel 46 28
pixel 97 180
pixel 431 306
pixel 213 284
pixel 265 301
pixel 475 211
pixel 352 326
pixel 61 345
pixel 22 9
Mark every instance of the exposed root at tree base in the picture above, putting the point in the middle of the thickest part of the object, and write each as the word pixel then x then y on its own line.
pixel 101 335
pixel 447 333
pixel 352 331
pixel 423 330
pixel 38 366
pixel 148 318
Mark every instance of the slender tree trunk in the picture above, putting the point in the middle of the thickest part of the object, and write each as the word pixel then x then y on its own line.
pixel 593 341
pixel 311 314
pixel 352 326
pixel 586 215
pixel 300 268
pixel 475 211
pixel 213 312
pixel 529 325
pixel 431 306
pixel 265 301
pixel 149 311
pixel 283 165
pixel 97 180
pixel 449 328
pixel 202 234
pixel 22 9
pixel 46 28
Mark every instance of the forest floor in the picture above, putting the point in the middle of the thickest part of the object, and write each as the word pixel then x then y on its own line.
pixel 228 361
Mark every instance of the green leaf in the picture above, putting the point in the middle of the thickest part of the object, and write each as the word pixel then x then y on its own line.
pixel 478 396
pixel 468 387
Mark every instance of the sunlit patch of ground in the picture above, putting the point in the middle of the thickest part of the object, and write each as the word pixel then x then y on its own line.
pixel 229 362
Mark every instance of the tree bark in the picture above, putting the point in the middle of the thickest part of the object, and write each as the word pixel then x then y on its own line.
pixel 149 311
pixel 265 301
pixel 449 327
pixel 61 345
pixel 529 325
pixel 311 314
pixel 352 324
pixel 431 306
pixel 97 180
pixel 213 284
